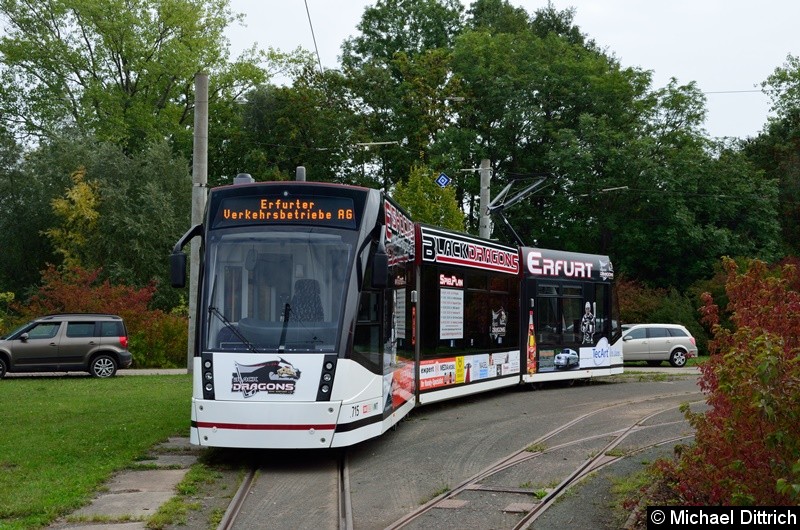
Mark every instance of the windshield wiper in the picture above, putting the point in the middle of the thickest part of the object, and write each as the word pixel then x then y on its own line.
pixel 286 310
pixel 214 311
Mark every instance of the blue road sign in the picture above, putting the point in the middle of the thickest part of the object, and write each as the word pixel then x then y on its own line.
pixel 443 180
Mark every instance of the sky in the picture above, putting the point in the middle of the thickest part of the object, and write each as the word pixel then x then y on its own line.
pixel 727 47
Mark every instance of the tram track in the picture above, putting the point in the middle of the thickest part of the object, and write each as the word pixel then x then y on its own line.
pixel 345 506
pixel 592 464
pixel 605 441
pixel 344 512
pixel 604 456
pixel 229 517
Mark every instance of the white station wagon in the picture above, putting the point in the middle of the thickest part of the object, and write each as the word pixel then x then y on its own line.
pixel 655 343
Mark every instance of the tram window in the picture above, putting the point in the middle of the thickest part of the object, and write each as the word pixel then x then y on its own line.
pixel 366 340
pixel 404 279
pixel 368 307
pixel 548 320
pixel 477 319
pixel 270 286
pixel 490 319
pixel 232 303
pixel 572 314
pixel 602 319
pixel 547 290
pixel 429 300
pixel 503 327
pixel 475 280
pixel 482 315
pixel 560 309
pixel 498 283
pixel 382 324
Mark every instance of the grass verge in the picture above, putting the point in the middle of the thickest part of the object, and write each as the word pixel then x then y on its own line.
pixel 63 437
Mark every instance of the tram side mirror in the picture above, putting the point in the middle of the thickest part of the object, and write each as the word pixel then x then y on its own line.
pixel 177 269
pixel 380 269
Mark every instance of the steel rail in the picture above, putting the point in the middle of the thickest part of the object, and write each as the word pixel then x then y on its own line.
pixel 525 454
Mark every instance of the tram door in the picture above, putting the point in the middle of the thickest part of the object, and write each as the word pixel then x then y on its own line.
pixel 560 320
pixel 383 336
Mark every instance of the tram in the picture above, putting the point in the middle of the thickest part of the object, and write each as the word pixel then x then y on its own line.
pixel 325 314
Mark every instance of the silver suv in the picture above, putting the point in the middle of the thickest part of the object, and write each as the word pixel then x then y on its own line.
pixel 80 342
pixel 655 343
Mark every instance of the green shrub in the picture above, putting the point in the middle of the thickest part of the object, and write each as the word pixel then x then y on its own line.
pixel 162 344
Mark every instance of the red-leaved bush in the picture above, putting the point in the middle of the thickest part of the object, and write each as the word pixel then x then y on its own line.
pixel 747 444
pixel 156 338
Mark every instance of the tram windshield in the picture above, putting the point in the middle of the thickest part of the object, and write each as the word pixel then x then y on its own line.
pixel 277 290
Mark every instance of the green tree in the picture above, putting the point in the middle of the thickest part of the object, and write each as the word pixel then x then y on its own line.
pixel 143 202
pixel 687 196
pixel 310 123
pixel 82 76
pixel 426 202
pixel 121 69
pixel 777 149
pixel 498 16
pixel 630 172
pixel 543 101
pixel 230 145
pixel 78 214
pixel 410 26
pixel 25 212
pixel 398 72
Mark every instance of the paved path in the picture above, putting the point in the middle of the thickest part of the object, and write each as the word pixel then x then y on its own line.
pixel 134 495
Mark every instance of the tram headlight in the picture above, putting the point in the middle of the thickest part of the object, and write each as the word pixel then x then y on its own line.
pixel 209 387
pixel 325 389
pixel 207 364
pixel 327 377
pixel 329 365
pixel 209 376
